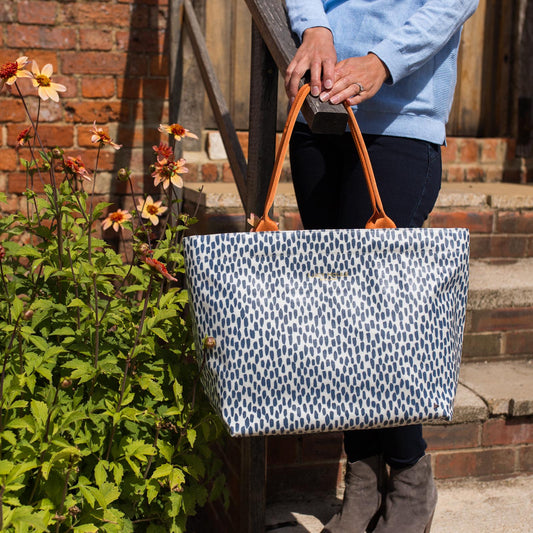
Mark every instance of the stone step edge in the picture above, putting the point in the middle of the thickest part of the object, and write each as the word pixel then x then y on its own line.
pixel 220 195
pixel 493 389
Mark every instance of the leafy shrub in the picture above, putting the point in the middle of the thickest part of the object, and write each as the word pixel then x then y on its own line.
pixel 102 423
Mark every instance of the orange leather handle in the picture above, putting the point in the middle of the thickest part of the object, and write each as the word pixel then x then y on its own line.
pixel 378 219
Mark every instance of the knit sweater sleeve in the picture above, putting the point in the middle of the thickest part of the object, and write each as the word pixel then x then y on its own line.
pixel 422 35
pixel 305 14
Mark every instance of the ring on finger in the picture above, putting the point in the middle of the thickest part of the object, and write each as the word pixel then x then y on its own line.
pixel 361 88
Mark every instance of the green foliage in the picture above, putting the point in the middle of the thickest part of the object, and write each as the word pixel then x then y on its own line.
pixel 103 426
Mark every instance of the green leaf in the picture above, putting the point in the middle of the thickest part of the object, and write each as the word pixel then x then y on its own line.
pixel 191 436
pixel 86 528
pixel 109 493
pixel 162 471
pixel 100 474
pixel 17 307
pixel 5 467
pixel 39 411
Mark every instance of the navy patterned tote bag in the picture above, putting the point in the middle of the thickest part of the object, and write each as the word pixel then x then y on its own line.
pixel 326 330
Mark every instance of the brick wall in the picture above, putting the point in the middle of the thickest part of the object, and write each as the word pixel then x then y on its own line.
pixel 112 57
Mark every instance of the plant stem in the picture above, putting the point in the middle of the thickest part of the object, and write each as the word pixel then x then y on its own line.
pixel 64 496
pixel 151 458
pixel 128 362
pixel 90 229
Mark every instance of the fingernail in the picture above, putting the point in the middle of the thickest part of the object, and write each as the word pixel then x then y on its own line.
pixel 335 100
pixel 328 84
pixel 291 100
pixel 315 90
pixel 324 97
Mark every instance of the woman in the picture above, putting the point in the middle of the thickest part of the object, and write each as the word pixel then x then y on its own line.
pixel 394 62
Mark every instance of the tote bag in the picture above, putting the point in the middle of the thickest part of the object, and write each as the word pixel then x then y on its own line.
pixel 326 330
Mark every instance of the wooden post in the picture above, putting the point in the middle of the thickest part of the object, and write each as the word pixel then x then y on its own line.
pixel 262 132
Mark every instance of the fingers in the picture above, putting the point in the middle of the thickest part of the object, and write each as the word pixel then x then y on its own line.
pixel 317 55
pixel 356 79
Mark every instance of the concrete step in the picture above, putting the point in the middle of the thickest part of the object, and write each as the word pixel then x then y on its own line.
pixel 464 506
pixel 499 215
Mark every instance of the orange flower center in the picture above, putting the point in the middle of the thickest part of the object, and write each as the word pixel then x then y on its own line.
pixel 42 80
pixel 117 217
pixel 8 70
pixel 152 209
pixel 176 129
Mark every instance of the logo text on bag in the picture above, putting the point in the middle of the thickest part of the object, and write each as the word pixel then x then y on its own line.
pixel 328 275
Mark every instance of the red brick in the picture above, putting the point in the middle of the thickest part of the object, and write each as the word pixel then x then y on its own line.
pixel 55 135
pixel 514 222
pixel 12 110
pixel 99 14
pixel 498 246
pixel 475 221
pixel 452 436
pixel 468 150
pixel 140 40
pixel 454 465
pixel 482 345
pixel 93 62
pixel 20 36
pixel 147 89
pixel 495 462
pixel 503 319
pixel 209 172
pixel 94 39
pixel 454 173
pixel 475 174
pixel 519 343
pixel 510 150
pixel 13 204
pixel 36 12
pixel 8 159
pixel 501 431
pixel 282 450
pixel 292 221
pixel 227 174
pixel 525 458
pixel 102 112
pixel 97 87
pixel 18 182
pixel 491 150
pixel 7 13
pixel 193 174
pixel 449 152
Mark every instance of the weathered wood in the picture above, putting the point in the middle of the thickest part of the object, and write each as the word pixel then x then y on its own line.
pixel 218 103
pixel 253 480
pixel 262 136
pixel 271 19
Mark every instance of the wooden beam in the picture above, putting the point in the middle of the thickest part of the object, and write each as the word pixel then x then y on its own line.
pixel 253 482
pixel 271 20
pixel 262 130
pixel 217 101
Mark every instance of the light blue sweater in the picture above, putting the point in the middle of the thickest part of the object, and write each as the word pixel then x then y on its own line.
pixel 416 39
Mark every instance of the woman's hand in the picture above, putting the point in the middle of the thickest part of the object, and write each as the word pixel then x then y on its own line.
pixel 316 53
pixel 356 79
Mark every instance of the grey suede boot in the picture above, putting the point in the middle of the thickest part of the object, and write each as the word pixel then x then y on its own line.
pixel 362 497
pixel 411 499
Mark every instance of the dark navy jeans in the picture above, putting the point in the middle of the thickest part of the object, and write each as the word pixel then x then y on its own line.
pixel 331 193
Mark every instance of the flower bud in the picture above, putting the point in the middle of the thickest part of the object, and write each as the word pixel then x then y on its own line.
pixel 28 314
pixel 124 174
pixel 2 253
pixel 57 153
pixel 209 343
pixel 66 383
